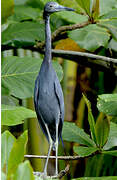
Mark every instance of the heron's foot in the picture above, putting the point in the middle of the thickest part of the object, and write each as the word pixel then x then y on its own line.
pixel 42 175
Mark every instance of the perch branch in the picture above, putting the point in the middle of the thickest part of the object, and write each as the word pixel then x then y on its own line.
pixel 53 157
pixel 59 176
pixel 83 54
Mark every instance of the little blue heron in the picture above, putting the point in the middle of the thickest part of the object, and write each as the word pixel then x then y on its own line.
pixel 48 95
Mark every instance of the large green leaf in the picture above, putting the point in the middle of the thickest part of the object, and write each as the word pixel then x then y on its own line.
pixel 111 25
pixel 102 130
pixel 110 14
pixel 73 5
pixel 107 5
pixel 7 7
pixel 107 103
pixel 72 17
pixel 13 115
pixel 24 170
pixel 112 153
pixel 19 74
pixel 6 146
pixel 21 2
pixel 23 33
pixel 73 133
pixel 4 90
pixel 3 176
pixel 90 119
pixel 113 45
pixel 84 151
pixel 90 37
pixel 24 13
pixel 98 178
pixel 17 153
pixel 112 139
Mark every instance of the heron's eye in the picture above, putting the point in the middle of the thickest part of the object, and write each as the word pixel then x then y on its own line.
pixel 50 5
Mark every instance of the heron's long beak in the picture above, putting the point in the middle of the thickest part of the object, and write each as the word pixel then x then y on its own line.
pixel 63 8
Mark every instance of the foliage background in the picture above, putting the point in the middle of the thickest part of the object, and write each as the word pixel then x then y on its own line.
pixel 22 27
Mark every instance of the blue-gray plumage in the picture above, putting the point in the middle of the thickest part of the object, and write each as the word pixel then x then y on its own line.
pixel 48 95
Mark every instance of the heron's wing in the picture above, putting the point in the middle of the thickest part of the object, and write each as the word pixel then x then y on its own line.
pixel 59 94
pixel 39 116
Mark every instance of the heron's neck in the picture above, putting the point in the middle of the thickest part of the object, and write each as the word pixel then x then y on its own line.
pixel 47 39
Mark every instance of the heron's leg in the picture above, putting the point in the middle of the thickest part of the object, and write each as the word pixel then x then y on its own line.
pixel 56 146
pixel 49 151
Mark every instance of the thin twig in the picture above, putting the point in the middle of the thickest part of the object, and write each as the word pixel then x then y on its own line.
pixel 53 157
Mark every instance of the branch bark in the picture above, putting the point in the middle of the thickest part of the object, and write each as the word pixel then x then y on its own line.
pixel 88 59
pixel 53 157
pixel 59 176
pixel 62 30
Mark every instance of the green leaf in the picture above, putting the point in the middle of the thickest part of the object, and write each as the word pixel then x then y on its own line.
pixel 24 13
pixel 110 14
pixel 21 2
pixel 7 9
pixel 73 5
pixel 90 37
pixel 102 130
pixel 3 176
pixel 6 146
pixel 23 34
pixel 112 139
pixel 4 90
pixel 90 119
pixel 73 133
pixel 17 153
pixel 19 74
pixel 111 25
pixel 72 17
pixel 10 100
pixel 98 178
pixel 84 151
pixel 13 115
pixel 107 103
pixel 113 45
pixel 24 170
pixel 84 4
pixel 107 5
pixel 112 153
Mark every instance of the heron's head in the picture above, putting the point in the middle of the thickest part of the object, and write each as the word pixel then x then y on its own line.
pixel 52 7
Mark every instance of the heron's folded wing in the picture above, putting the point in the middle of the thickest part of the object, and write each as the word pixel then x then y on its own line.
pixel 59 94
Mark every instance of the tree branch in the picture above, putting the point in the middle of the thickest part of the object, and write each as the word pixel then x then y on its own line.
pixel 53 157
pixel 87 59
pixel 59 176
pixel 83 54
pixel 40 45
pixel 62 30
